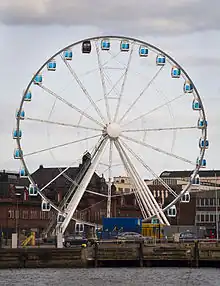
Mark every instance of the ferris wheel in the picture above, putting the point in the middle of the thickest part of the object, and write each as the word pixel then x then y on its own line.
pixel 127 102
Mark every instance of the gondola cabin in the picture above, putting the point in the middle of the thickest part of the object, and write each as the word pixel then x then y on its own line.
pixel 201 162
pixel 18 154
pixel 28 96
pixel 105 45
pixel 203 143
pixel 143 51
pixel 160 60
pixel 17 134
pixel 175 72
pixel 22 173
pixel 20 115
pixel 124 47
pixel 51 65
pixel 202 124
pixel 185 198
pixel 38 79
pixel 172 212
pixel 196 105
pixel 195 181
pixel 33 190
pixel 68 55
pixel 86 47
pixel 188 87
pixel 60 218
pixel 79 228
pixel 45 206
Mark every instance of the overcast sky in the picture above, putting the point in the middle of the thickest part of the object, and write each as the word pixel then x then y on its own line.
pixel 32 31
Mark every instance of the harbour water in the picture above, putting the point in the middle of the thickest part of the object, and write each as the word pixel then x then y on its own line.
pixel 111 277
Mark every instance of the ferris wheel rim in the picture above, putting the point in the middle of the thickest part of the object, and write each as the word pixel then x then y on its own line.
pixel 204 131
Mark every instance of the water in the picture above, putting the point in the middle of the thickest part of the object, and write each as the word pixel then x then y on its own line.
pixel 111 277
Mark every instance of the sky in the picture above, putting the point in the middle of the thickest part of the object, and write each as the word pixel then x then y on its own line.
pixel 32 31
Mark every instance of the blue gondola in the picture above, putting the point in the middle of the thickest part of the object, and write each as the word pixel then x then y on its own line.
pixel 45 206
pixel 38 79
pixel 18 154
pixel 172 212
pixel 195 181
pixel 28 96
pixel 86 47
pixel 188 87
pixel 33 190
pixel 17 134
pixel 201 162
pixel 22 173
pixel 185 198
pixel 124 46
pixel 160 60
pixel 68 55
pixel 175 72
pixel 203 143
pixel 51 65
pixel 143 51
pixel 202 123
pixel 105 45
pixel 196 105
pixel 20 115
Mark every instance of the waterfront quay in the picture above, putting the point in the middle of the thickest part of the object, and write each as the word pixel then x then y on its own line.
pixel 110 254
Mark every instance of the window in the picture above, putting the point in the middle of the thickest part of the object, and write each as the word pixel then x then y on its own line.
pixel 127 190
pixel 207 218
pixel 202 201
pixel 206 202
pixel 122 181
pixel 33 215
pixel 25 214
pixel 42 215
pixel 212 201
pixel 202 218
pixel 11 214
pixel 120 190
pixel 211 218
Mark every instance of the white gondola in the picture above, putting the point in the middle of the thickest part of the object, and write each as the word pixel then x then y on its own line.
pixel 185 198
pixel 33 190
pixel 17 134
pixel 38 79
pixel 86 47
pixel 45 206
pixel 203 143
pixel 20 115
pixel 22 173
pixel 160 60
pixel 105 45
pixel 196 105
pixel 17 154
pixel 143 51
pixel 188 87
pixel 175 72
pixel 68 55
pixel 28 96
pixel 202 162
pixel 172 212
pixel 60 218
pixel 124 46
pixel 202 124
pixel 195 181
pixel 51 65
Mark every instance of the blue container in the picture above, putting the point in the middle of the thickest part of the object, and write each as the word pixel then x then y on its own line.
pixel 122 224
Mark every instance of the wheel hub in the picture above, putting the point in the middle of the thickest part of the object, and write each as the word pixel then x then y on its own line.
pixel 113 130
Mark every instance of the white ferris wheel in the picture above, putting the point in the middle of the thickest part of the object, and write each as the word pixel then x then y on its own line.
pixel 131 105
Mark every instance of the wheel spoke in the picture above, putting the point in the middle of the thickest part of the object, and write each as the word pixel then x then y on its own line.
pixel 103 82
pixel 170 190
pixel 161 129
pixel 113 85
pixel 70 104
pixel 60 145
pixel 109 179
pixel 154 109
pixel 158 149
pixel 76 78
pixel 142 92
pixel 123 83
pixel 61 124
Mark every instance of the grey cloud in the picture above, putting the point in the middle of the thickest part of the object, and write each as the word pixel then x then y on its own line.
pixel 168 17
